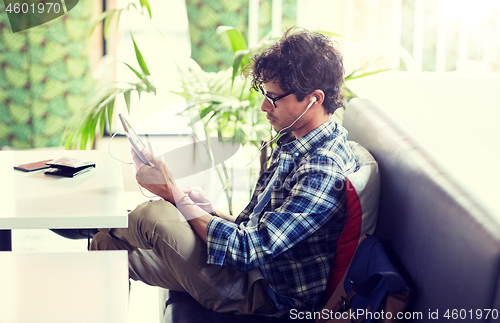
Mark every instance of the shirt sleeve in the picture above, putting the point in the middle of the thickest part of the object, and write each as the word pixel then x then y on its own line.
pixel 314 200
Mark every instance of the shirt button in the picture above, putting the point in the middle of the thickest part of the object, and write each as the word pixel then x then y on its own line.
pixel 296 154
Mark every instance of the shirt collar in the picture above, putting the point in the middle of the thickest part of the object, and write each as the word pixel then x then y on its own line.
pixel 312 140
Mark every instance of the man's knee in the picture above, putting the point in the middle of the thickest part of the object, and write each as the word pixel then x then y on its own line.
pixel 103 241
pixel 147 214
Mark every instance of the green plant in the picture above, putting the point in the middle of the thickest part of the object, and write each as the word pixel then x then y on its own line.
pixel 92 118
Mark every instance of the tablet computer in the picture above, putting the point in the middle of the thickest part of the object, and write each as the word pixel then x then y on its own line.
pixel 134 140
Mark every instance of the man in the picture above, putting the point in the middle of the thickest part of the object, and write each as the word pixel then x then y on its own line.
pixel 278 252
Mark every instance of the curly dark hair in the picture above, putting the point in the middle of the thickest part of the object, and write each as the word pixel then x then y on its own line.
pixel 302 61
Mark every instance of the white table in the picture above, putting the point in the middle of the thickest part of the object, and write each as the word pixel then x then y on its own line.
pixel 35 201
pixel 64 287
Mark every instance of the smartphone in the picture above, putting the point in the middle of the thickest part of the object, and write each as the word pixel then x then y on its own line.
pixel 31 167
pixel 134 140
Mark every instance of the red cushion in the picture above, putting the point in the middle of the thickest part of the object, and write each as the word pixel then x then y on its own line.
pixel 347 241
pixel 362 194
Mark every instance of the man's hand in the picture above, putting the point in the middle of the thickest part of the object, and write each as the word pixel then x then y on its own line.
pixel 197 195
pixel 155 179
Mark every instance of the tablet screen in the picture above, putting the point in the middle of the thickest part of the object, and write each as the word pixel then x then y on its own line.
pixel 134 139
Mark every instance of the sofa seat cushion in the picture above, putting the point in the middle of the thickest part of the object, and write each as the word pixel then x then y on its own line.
pixel 181 307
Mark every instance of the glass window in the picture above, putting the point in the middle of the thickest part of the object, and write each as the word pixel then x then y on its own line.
pixel 162 40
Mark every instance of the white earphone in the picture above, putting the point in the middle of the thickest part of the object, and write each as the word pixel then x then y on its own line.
pixel 313 99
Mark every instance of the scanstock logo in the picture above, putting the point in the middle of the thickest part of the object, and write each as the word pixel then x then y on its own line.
pixel 26 14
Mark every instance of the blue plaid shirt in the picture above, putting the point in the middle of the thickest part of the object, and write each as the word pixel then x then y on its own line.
pixel 294 240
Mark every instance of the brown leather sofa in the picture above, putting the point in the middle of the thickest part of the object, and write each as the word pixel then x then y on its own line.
pixel 444 242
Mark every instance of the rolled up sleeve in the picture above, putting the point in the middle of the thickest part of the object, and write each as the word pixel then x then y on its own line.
pixel 218 234
pixel 303 212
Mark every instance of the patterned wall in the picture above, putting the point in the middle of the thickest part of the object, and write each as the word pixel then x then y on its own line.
pixel 206 15
pixel 44 77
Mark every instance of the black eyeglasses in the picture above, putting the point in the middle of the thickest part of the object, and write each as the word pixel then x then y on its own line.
pixel 270 99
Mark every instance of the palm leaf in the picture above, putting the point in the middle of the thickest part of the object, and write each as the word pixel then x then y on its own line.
pixel 235 37
pixel 102 17
pixel 145 4
pixel 352 77
pixel 330 34
pixel 140 59
pixel 240 59
pixel 126 96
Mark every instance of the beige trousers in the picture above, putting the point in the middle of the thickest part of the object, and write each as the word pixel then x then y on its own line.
pixel 164 251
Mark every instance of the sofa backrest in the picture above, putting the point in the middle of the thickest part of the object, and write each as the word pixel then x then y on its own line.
pixel 443 241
